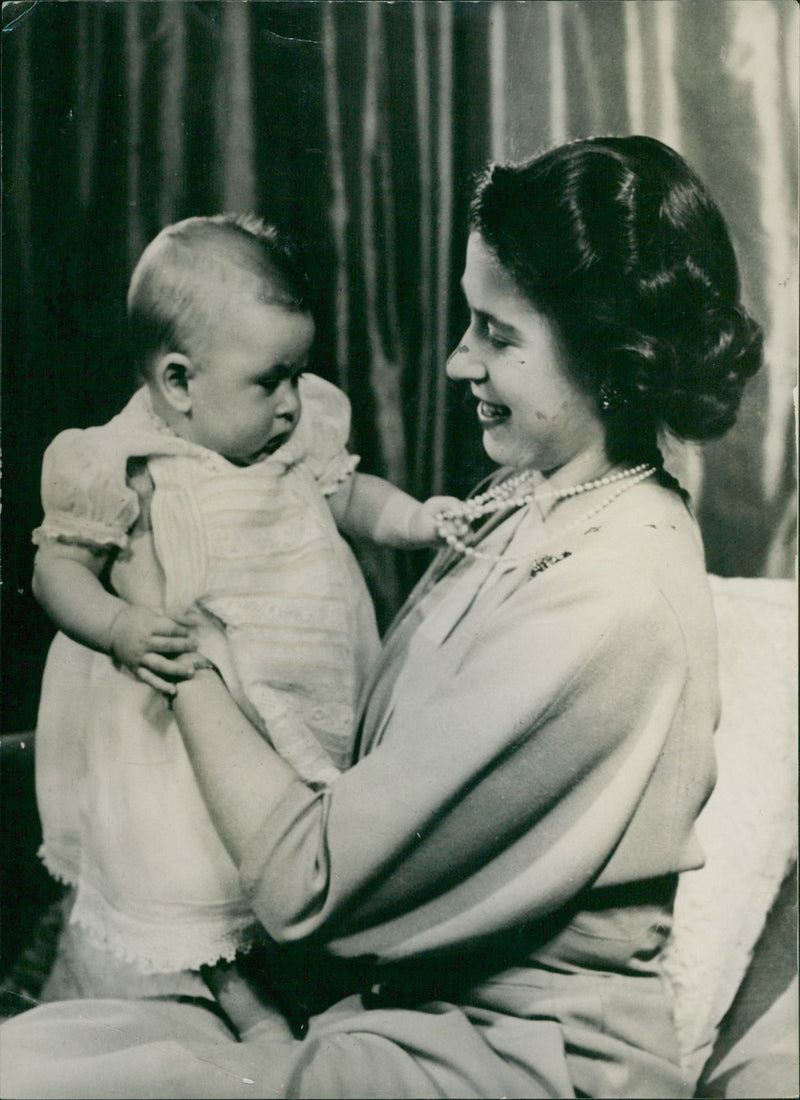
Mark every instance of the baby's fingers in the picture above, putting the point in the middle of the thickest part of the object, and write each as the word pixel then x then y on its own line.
pixel 173 628
pixel 435 505
pixel 171 646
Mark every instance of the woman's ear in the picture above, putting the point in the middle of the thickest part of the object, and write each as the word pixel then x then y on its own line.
pixel 172 374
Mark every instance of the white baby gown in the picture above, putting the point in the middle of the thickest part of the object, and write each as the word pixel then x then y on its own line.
pixel 256 547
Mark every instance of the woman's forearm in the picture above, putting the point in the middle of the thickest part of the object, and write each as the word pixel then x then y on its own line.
pixel 239 774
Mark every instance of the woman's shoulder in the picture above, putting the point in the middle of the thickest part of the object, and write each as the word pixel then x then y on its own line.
pixel 652 531
pixel 639 560
pixel 645 561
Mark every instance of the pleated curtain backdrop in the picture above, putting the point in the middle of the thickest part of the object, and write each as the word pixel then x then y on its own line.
pixel 358 126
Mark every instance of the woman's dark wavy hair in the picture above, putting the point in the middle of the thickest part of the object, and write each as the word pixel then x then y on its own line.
pixel 618 242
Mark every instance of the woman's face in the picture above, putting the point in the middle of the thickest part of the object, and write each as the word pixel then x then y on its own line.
pixel 532 412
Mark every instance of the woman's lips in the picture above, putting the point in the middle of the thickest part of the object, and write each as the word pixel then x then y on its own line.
pixel 489 413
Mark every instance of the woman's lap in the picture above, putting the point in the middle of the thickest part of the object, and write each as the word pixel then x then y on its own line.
pixel 132 1049
pixel 119 1048
pixel 169 1049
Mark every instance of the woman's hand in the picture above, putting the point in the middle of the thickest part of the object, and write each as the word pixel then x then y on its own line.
pixel 244 1005
pixel 148 643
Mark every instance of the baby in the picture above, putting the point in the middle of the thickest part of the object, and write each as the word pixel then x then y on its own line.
pixel 221 486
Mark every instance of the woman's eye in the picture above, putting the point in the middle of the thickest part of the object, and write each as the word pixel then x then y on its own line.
pixel 496 341
pixel 486 333
pixel 493 339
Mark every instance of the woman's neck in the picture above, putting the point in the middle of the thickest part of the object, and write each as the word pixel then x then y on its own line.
pixel 590 465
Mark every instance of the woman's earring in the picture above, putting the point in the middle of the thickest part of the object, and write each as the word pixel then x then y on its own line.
pixel 612 399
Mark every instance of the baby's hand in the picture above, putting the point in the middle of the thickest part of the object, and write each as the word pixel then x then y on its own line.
pixel 150 645
pixel 423 527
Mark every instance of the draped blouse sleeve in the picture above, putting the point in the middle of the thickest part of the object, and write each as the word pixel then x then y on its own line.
pixel 320 440
pixel 504 789
pixel 85 495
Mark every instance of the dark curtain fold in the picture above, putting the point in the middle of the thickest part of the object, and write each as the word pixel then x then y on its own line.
pixel 358 126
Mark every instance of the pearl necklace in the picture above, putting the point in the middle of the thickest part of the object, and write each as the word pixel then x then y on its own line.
pixel 454 525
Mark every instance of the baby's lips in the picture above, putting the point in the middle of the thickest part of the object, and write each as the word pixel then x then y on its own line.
pixel 277 442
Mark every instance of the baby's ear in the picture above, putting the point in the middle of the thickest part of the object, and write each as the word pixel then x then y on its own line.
pixel 171 374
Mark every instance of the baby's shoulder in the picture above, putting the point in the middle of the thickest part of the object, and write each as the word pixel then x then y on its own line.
pixel 319 443
pixel 86 495
pixel 324 425
pixel 323 403
pixel 79 450
pixel 91 447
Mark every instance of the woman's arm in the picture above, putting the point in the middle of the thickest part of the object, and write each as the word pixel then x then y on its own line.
pixel 239 773
pixel 503 785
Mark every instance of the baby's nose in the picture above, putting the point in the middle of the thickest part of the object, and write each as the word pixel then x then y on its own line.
pixel 288 404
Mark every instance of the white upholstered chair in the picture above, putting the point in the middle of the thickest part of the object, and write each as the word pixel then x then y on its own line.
pixel 734 972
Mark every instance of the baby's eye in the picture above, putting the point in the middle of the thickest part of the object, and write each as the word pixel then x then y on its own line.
pixel 282 373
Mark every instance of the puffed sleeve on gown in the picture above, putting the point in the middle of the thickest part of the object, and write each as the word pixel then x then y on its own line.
pixel 320 439
pixel 85 495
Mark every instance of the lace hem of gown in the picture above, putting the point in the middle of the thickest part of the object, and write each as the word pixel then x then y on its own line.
pixel 180 941
pixel 60 868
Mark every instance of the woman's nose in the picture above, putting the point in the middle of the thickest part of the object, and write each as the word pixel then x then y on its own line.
pixel 464 366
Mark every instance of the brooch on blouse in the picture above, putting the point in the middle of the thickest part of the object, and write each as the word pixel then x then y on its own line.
pixel 541 564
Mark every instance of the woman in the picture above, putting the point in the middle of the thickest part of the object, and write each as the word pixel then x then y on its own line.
pixel 492 881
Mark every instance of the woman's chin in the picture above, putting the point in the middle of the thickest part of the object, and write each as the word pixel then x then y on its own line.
pixel 495 453
pixel 500 449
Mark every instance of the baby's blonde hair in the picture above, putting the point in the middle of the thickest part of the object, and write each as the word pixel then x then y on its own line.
pixel 178 288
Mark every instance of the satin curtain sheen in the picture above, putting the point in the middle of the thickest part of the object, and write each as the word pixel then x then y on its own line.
pixel 358 126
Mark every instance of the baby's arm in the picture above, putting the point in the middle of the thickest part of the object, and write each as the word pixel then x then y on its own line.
pixel 369 507
pixel 66 582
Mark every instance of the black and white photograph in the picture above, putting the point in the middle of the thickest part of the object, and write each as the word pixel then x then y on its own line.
pixel 399 549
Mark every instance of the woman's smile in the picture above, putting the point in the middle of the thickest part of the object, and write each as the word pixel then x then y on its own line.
pixel 490 414
pixel 532 411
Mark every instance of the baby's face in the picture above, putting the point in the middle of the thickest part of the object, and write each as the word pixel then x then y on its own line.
pixel 245 400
